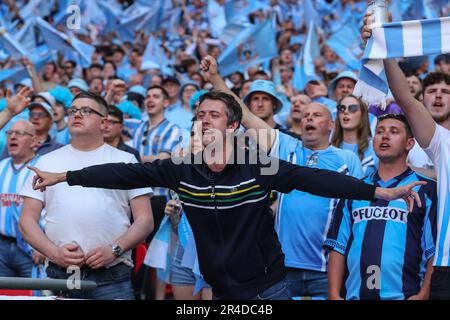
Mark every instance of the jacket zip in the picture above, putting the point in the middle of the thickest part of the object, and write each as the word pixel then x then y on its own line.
pixel 216 213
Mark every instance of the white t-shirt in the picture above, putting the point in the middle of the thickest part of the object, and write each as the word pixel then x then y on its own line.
pixel 418 158
pixel 439 152
pixel 91 217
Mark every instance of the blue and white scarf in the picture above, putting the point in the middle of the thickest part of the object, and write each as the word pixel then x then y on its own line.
pixel 395 40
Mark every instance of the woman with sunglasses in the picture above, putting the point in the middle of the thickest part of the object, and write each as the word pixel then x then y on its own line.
pixel 352 131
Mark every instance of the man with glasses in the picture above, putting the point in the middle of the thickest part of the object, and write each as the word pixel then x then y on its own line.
pixel 41 115
pixel 386 251
pixel 16 257
pixel 112 131
pixel 87 229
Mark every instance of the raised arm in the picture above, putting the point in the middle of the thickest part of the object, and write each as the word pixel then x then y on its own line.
pixel 261 130
pixel 36 81
pixel 14 105
pixel 419 118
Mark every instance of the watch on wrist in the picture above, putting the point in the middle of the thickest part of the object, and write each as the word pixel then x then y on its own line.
pixel 116 250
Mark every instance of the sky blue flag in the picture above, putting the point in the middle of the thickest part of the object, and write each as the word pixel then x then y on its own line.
pixel 11 45
pixel 91 14
pixel 239 9
pixel 171 19
pixel 36 8
pixel 154 56
pixel 310 13
pixel 20 72
pixel 345 41
pixel 217 18
pixel 230 32
pixel 304 67
pixel 138 17
pixel 28 35
pixel 408 9
pixel 252 46
pixel 61 42
pixel 112 15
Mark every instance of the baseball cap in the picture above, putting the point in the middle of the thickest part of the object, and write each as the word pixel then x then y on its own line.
pixel 265 86
pixel 78 83
pixel 195 97
pixel 139 90
pixel 47 97
pixel 44 105
pixel 171 79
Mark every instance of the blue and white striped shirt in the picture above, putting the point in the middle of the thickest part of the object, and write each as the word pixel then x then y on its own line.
pixel 162 138
pixel 386 248
pixel 11 181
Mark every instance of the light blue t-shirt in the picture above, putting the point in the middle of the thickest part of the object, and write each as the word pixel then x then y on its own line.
pixel 303 219
pixel 369 162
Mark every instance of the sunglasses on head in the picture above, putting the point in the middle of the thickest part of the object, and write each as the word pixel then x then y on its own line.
pixel 351 108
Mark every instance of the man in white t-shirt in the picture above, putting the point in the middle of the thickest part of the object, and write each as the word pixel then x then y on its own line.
pixel 88 228
pixel 434 138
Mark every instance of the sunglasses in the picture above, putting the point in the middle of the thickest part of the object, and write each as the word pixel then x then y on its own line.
pixel 351 108
pixel 38 114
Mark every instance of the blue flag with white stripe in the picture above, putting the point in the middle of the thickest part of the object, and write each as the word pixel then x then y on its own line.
pixel 11 45
pixel 304 69
pixel 252 46
pixel 394 40
pixel 345 41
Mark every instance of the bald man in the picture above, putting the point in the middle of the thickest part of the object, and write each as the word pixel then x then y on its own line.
pixel 16 256
pixel 302 220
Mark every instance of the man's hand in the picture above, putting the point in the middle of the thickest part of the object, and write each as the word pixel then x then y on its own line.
pixel 45 179
pixel 406 193
pixel 173 210
pixel 209 68
pixel 37 258
pixel 100 257
pixel 68 255
pixel 366 31
pixel 418 296
pixel 17 104
pixel 118 86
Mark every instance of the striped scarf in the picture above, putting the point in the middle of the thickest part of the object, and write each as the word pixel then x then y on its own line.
pixel 395 40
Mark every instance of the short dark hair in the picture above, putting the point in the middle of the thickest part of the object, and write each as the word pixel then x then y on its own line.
pixel 233 111
pixel 95 65
pixel 434 78
pixel 136 97
pixel 442 58
pixel 115 112
pixel 72 62
pixel 118 49
pixel 164 91
pixel 112 63
pixel 95 97
pixel 398 117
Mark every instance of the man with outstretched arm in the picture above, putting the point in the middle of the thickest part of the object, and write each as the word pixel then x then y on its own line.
pixel 226 203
